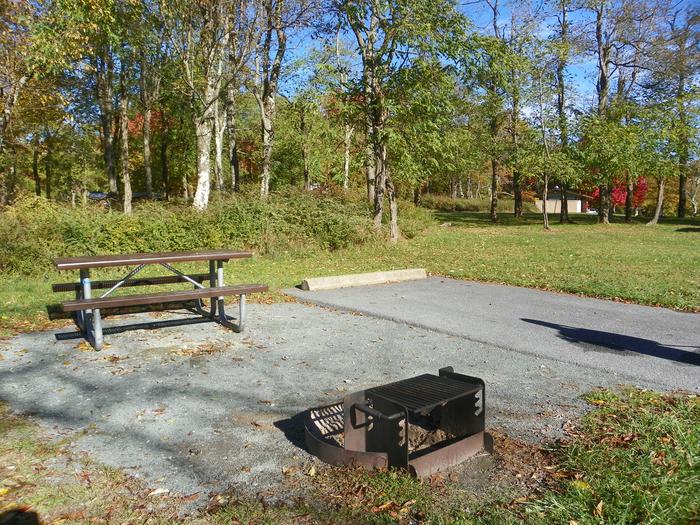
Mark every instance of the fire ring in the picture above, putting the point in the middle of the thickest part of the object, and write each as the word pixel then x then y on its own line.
pixel 423 424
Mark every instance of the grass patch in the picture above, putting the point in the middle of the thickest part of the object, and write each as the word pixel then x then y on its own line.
pixel 635 459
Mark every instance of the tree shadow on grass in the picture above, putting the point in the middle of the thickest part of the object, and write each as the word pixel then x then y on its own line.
pixel 688 229
pixel 469 218
pixel 622 343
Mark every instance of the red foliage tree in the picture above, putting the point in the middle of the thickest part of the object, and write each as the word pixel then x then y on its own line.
pixel 619 193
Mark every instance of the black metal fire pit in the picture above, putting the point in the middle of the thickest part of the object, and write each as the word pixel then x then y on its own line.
pixel 423 424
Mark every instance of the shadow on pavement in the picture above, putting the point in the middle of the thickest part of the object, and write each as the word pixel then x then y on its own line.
pixel 293 429
pixel 621 342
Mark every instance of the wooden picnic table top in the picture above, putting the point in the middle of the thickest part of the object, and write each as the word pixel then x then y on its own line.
pixel 133 259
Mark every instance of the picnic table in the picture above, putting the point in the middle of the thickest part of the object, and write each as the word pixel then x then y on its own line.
pixel 86 308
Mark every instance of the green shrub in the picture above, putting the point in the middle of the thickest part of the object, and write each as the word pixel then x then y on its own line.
pixel 413 219
pixel 445 203
pixel 33 231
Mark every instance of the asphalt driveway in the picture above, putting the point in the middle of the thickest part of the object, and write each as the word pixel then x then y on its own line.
pixel 639 343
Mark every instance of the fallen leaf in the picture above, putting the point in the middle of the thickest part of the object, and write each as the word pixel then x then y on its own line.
pixel 599 509
pixel 84 346
pixel 191 497
pixel 312 472
pixel 580 485
pixel 159 492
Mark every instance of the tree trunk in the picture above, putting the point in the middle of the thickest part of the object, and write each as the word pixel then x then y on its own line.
pixel 124 145
pixel 684 136
pixel 48 162
pixel 564 210
pixel 267 109
pixel 694 195
pixel 347 142
pixel 219 129
pixel 164 169
pixel 603 205
pixel 393 210
pixel 517 195
pixel 515 119
pixel 682 189
pixel 149 93
pixel 185 187
pixel 307 171
pixel 11 94
pixel 303 129
pixel 370 174
pixel 659 202
pixel 379 187
pixel 203 128
pixel 35 171
pixel 104 71
pixel 562 61
pixel 494 190
pixel 629 197
pixel 232 139
pixel 603 52
pixel 147 151
pixel 545 215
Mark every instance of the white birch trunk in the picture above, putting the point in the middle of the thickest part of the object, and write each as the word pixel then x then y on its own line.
pixel 203 128
pixel 346 156
pixel 147 150
pixel 219 129
pixel 267 112
pixel 124 151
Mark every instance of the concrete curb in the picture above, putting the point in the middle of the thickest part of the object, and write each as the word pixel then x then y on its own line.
pixel 362 279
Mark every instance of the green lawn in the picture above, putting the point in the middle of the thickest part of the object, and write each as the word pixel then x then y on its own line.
pixel 629 262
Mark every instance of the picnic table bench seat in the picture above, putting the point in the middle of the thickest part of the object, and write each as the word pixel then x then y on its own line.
pixel 160 297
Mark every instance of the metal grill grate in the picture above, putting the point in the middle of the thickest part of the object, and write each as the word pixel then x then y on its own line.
pixel 424 392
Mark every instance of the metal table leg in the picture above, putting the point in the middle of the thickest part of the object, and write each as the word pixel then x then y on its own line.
pixel 79 316
pixel 212 284
pixel 92 318
pixel 224 320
